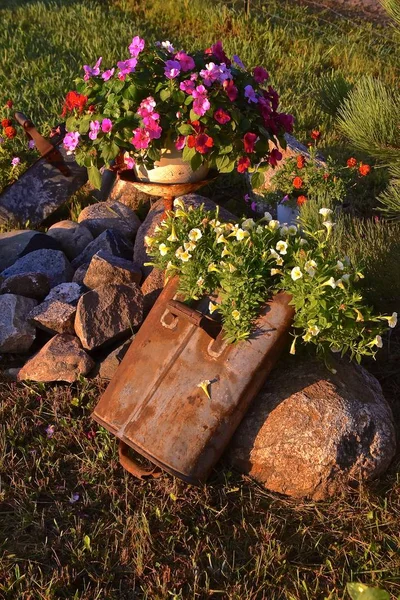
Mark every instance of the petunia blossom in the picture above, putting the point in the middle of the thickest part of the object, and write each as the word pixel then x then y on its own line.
pixel 210 74
pixel 243 164
pixel 126 66
pixel 94 129
pixel 221 116
pixel 15 161
pixel 71 140
pixel 249 141
pixel 146 107
pixel 230 89
pixel 218 51
pixel 108 74
pixel 92 71
pixel 274 157
pixel 187 86
pixel 172 69
pixel 141 138
pixel 186 62
pixel 204 143
pixel 201 103
pixel 31 144
pixel 106 125
pixel 180 142
pixel 260 74
pixel 152 126
pixel 168 46
pixel 136 46
pixel 250 94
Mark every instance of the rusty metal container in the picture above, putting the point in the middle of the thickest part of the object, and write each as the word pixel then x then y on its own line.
pixel 154 404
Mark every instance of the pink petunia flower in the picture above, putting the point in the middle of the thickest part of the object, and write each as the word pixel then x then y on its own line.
pixel 249 141
pixel 152 126
pixel 141 138
pixel 180 142
pixel 201 103
pixel 260 74
pixel 106 125
pixel 129 162
pixel 172 69
pixel 94 129
pixel 146 107
pixel 126 66
pixel 231 90
pixel 136 46
pixel 221 116
pixel 92 71
pixel 71 140
pixel 274 157
pixel 186 61
pixel 210 74
pixel 250 94
pixel 187 86
pixel 108 74
pixel 15 161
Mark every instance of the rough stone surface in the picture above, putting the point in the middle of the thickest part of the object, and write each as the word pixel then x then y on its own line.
pixel 40 241
pixel 110 241
pixel 52 263
pixel 309 433
pixel 61 359
pixel 108 314
pixel 30 285
pixel 54 316
pixel 152 288
pixel 154 218
pixel 12 243
pixel 110 364
pixel 72 237
pixel 16 333
pixel 114 216
pixel 106 268
pixel 125 193
pixel 68 293
pixel 80 273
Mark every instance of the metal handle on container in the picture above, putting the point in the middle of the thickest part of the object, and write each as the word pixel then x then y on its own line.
pixel 181 310
pixel 132 466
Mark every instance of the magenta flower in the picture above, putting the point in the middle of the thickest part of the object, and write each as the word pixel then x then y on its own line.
pixel 92 71
pixel 136 46
pixel 284 199
pixel 50 431
pixel 250 94
pixel 186 61
pixel 274 157
pixel 249 141
pixel 71 140
pixel 152 127
pixel 237 61
pixel 15 161
pixel 180 142
pixel 106 125
pixel 210 74
pixel 286 121
pixel 94 129
pixel 260 74
pixel 221 116
pixel 31 144
pixel 126 66
pixel 194 76
pixel 246 198
pixel 218 51
pixel 129 162
pixel 146 107
pixel 187 86
pixel 141 138
pixel 172 69
pixel 201 103
pixel 253 206
pixel 108 74
pixel 231 90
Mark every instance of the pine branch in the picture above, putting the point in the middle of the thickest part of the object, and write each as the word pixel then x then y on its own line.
pixel 390 198
pixel 333 89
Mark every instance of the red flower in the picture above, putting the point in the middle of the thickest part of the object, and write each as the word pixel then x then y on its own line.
pixel 243 164
pixel 260 74
pixel 326 176
pixel 218 51
pixel 364 169
pixel 221 116
pixel 351 163
pixel 248 141
pixel 297 182
pixel 315 134
pixel 301 200
pixel 6 123
pixel 231 89
pixel 301 161
pixel 191 141
pixel 274 157
pixel 92 108
pixel 9 103
pixel 10 132
pixel 74 100
pixel 204 143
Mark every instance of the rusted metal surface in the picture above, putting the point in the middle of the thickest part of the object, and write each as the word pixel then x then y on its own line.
pixel 154 404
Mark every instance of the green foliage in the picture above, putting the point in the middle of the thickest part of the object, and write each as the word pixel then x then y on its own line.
pixel 332 90
pixel 359 591
pixel 392 7
pixel 390 197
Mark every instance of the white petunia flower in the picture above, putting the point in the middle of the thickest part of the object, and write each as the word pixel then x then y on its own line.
pixel 276 272
pixel 195 235
pixel 241 234
pixel 178 203
pixel 340 265
pixel 248 224
pixel 149 241
pixel 273 225
pixel 377 342
pixel 173 236
pixel 236 315
pixel 314 330
pixel 284 230
pixel 311 267
pixel 225 252
pixel 232 268
pixel 303 242
pixel 200 281
pixel 268 216
pixel 163 249
pixel 325 212
pixel 292 229
pixel 392 321
pixel 212 307
pixel 329 225
pixel 185 256
pixel 281 246
pixel 189 246
pixel 346 277
pixel 179 251
pixel 214 223
pixel 221 239
pixel 331 281
pixel 212 267
pixel 296 273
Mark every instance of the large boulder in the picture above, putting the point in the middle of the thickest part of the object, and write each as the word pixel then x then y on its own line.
pixel 106 268
pixel 109 365
pixel 40 241
pixel 107 314
pixel 54 316
pixel 52 263
pixel 109 241
pixel 61 359
pixel 30 285
pixel 114 216
pixel 72 237
pixel 12 244
pixel 80 273
pixel 66 292
pixel 126 193
pixel 309 432
pixel 151 288
pixel 16 333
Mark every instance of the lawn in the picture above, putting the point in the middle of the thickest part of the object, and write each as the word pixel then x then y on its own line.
pixel 73 525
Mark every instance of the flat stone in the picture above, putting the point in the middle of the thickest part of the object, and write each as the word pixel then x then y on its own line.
pixel 109 365
pixel 16 333
pixel 107 314
pixel 30 285
pixel 52 263
pixel 151 288
pixel 69 293
pixel 72 237
pixel 12 243
pixel 80 273
pixel 106 268
pixel 114 216
pixel 41 190
pixel 54 316
pixel 61 359
pixel 109 241
pixel 310 433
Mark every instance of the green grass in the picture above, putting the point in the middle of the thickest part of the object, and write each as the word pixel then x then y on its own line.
pixel 127 540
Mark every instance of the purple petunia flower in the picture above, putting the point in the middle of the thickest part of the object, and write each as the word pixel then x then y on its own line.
pixel 15 161
pixel 74 498
pixel 31 144
pixel 172 69
pixel 108 74
pixel 1 140
pixel 284 199
pixel 126 66
pixel 253 206
pixel 167 46
pixel 50 431
pixel 250 94
pixel 71 140
pixel 92 71
pixel 239 63
pixel 94 129
pixel 136 46
pixel 106 125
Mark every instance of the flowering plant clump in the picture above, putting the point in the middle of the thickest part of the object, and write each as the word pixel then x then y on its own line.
pixel 246 264
pixel 217 111
pixel 301 177
pixel 16 152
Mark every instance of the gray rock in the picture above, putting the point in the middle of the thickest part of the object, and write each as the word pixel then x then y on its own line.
pixel 12 243
pixel 54 316
pixel 72 237
pixel 109 241
pixel 52 263
pixel 109 365
pixel 69 293
pixel 106 268
pixel 16 333
pixel 30 285
pixel 151 288
pixel 107 314
pixel 61 359
pixel 310 433
pixel 80 273
pixel 126 193
pixel 40 241
pixel 114 216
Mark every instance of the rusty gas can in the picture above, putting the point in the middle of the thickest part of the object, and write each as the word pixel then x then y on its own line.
pixel 158 403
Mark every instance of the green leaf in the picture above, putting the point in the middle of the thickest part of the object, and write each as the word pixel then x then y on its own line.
pixel 196 161
pixel 71 124
pixel 84 124
pixel 188 153
pixel 130 93
pixel 165 94
pixel 178 96
pixel 117 85
pixel 257 180
pixel 189 100
pixel 109 151
pixel 226 149
pixel 222 162
pixel 185 129
pixel 193 116
pixel 359 591
pixel 94 176
pixel 154 153
pixel 86 542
